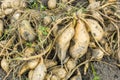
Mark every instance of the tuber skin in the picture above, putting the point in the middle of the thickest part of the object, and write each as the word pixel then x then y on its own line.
pixel 81 41
pixel 95 29
pixel 5 65
pixel 63 42
pixel 64 1
pixel 71 63
pixel 26 31
pixel 50 63
pixel 9 6
pixel 59 72
pixel 54 77
pixel 77 77
pixel 13 4
pixel 8 11
pixel 47 20
pixel 29 51
pixel 1 28
pixel 97 16
pixel 29 66
pixel 97 54
pixel 52 4
pixel 39 72
pixel 48 76
pixel 30 74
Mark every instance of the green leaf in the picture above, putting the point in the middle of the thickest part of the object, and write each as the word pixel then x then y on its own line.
pixel 29 44
pixel 42 7
pixel 96 77
pixel 43 29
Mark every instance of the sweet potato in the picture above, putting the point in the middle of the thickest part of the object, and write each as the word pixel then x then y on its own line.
pixel 30 74
pixel 33 63
pixel 9 6
pixel 40 71
pixel 59 72
pixel 77 77
pixel 112 0
pixel 54 77
pixel 56 30
pixel 93 4
pixel 26 31
pixel 2 13
pixel 118 55
pixel 97 16
pixel 8 11
pixel 50 63
pixel 29 65
pixel 5 65
pixel 29 51
pixel 1 28
pixel 97 54
pixel 6 3
pixel 81 41
pixel 63 42
pixel 95 29
pixel 13 4
pixel 64 1
pixel 48 76
pixel 52 4
pixel 71 63
pixel 47 20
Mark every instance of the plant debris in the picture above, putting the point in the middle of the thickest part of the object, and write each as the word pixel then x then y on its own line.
pixel 53 39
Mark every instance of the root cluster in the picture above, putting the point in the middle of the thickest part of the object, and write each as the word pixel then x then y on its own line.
pixel 51 40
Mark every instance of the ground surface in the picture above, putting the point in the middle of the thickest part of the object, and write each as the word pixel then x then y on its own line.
pixel 105 69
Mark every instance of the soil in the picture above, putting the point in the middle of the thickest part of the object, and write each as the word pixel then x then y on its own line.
pixel 106 70
pixel 2 74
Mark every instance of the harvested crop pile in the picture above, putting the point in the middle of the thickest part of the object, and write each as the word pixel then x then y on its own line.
pixel 54 39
